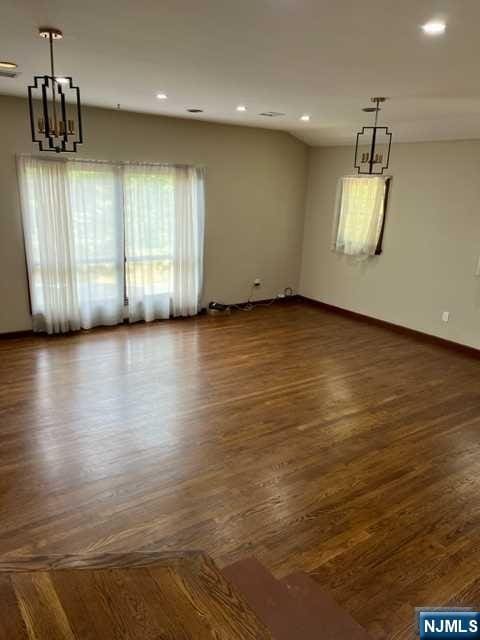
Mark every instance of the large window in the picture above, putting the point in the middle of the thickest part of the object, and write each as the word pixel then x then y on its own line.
pixel 105 240
pixel 360 215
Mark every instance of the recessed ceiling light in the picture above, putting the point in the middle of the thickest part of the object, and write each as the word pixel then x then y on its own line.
pixel 7 65
pixel 434 28
pixel 305 117
pixel 162 96
pixel 241 107
pixel 62 80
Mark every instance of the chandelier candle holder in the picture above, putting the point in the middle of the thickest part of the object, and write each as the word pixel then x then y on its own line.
pixel 55 110
pixel 372 148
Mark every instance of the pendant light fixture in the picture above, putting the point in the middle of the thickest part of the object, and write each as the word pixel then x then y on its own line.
pixel 372 149
pixel 55 110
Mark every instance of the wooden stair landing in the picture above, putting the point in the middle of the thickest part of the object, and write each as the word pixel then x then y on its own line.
pixel 142 596
pixel 292 608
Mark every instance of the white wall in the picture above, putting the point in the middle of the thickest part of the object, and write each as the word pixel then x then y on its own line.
pixel 431 243
pixel 255 191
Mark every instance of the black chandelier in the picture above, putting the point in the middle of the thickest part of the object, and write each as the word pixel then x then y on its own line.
pixel 55 112
pixel 372 149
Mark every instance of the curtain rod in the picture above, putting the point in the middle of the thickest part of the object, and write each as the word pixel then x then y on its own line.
pixel 117 163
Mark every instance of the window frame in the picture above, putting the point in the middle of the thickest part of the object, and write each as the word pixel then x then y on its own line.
pixel 379 249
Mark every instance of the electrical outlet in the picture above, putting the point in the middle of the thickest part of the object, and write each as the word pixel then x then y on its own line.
pixel 257 282
pixel 446 316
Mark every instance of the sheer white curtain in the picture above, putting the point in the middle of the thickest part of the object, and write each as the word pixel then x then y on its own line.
pixel 49 243
pixel 96 199
pixel 164 226
pixel 359 215
pixel 95 231
pixel 149 213
pixel 188 240
pixel 74 246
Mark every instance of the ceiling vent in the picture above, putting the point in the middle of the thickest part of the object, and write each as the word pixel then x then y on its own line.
pixel 5 73
pixel 271 114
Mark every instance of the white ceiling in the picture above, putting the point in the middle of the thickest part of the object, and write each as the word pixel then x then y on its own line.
pixel 321 57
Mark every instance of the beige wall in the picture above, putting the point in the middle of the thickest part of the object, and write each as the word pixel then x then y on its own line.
pixel 431 243
pixel 254 197
pixel 256 184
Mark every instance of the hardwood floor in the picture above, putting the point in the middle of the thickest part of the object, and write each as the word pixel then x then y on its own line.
pixel 310 440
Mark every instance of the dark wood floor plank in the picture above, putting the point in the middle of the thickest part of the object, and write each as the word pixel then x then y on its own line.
pixel 12 626
pixel 170 597
pixel 41 608
pixel 90 610
pixel 221 606
pixel 126 604
pixel 310 440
